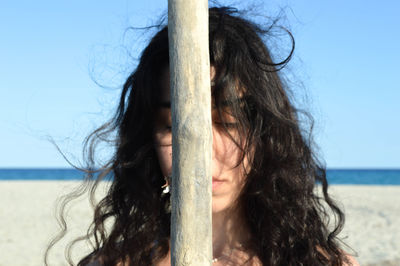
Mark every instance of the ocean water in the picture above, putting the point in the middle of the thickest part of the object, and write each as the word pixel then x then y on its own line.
pixel 335 176
pixel 40 174
pixel 364 176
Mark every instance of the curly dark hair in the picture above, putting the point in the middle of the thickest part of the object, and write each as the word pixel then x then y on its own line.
pixel 287 218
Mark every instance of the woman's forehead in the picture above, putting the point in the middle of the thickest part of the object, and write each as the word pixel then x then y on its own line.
pixel 164 94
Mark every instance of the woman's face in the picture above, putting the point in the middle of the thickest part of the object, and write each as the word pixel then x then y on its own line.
pixel 228 177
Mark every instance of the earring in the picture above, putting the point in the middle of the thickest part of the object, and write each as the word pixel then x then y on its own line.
pixel 166 185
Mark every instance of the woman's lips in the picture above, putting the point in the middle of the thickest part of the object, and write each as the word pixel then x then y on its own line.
pixel 216 183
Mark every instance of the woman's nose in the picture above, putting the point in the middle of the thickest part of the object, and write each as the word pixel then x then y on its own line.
pixel 215 157
pixel 219 145
pixel 214 143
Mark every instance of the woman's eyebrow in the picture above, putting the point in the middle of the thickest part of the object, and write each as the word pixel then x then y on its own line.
pixel 229 102
pixel 235 100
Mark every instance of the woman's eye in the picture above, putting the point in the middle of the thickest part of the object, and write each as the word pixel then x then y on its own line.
pixel 163 129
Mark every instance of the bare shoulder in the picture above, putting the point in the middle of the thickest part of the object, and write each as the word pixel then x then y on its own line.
pixel 351 261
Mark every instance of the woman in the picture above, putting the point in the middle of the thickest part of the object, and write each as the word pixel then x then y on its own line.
pixel 265 211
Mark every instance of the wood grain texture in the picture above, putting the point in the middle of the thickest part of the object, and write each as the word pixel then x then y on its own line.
pixel 191 231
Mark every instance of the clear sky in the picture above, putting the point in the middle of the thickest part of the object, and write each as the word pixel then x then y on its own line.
pixel 52 52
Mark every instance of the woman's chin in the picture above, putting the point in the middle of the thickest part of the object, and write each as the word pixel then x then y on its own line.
pixel 219 206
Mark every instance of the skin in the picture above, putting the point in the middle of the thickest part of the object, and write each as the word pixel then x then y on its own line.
pixel 229 230
pixel 227 176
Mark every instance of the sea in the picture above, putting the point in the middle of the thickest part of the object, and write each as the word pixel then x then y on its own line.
pixel 335 176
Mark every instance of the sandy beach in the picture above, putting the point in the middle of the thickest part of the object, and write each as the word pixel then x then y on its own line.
pixel 27 222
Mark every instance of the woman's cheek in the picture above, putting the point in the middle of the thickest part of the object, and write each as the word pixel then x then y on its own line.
pixel 165 159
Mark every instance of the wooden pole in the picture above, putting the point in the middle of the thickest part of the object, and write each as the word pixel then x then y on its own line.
pixel 191 226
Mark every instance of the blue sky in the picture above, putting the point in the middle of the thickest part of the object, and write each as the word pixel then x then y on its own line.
pixel 346 62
